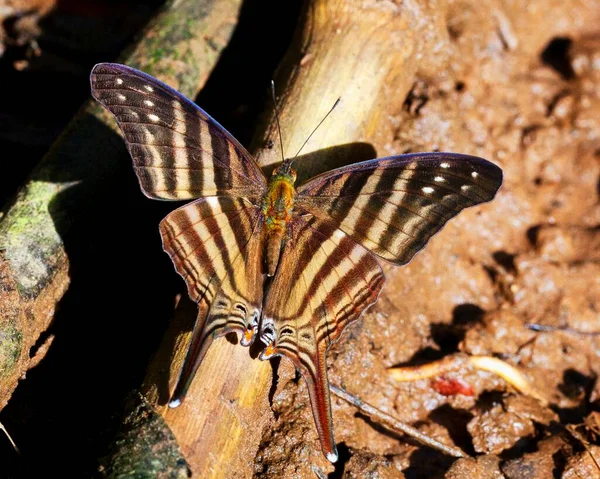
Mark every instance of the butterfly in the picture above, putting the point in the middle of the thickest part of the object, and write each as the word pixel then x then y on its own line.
pixel 291 265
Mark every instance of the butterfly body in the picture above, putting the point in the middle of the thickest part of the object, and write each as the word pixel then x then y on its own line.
pixel 292 266
pixel 277 208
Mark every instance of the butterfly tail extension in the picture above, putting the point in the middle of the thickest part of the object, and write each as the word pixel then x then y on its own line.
pixel 312 366
pixel 195 354
pixel 223 318
pixel 320 401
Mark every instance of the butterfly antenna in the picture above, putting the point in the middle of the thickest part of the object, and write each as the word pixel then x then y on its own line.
pixel 317 127
pixel 277 118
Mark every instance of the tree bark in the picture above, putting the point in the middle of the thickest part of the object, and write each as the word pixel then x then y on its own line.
pixel 34 269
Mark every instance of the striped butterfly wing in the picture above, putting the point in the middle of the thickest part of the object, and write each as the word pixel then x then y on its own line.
pixel 327 275
pixel 392 206
pixel 324 281
pixel 179 152
pixel 216 245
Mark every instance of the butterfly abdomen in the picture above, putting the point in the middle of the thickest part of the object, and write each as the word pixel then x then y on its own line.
pixel 277 207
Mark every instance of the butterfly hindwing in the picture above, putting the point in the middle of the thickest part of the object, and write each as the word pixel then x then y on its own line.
pixel 216 246
pixel 392 206
pixel 324 281
pixel 179 152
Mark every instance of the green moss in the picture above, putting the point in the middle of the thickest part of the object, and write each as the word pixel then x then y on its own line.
pixel 11 344
pixel 29 238
pixel 169 45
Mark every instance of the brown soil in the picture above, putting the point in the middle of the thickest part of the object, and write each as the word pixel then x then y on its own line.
pixel 517 83
pixel 524 92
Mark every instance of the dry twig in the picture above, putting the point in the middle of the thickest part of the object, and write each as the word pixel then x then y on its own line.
pixel 394 423
pixel 3 429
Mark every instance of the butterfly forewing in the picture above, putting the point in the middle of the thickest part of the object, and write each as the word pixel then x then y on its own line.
pixel 325 280
pixel 179 152
pixel 216 246
pixel 392 206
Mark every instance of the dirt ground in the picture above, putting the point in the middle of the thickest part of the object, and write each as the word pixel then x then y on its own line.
pixel 517 83
pixel 511 92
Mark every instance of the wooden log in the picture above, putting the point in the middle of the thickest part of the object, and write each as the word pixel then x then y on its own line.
pixel 33 264
pixel 221 421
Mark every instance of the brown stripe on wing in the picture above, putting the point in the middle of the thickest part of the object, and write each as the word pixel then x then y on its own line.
pixel 216 245
pixel 179 151
pixel 325 280
pixel 197 237
pixel 392 206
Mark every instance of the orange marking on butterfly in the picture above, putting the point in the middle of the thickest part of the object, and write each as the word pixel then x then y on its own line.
pixel 268 352
pixel 248 334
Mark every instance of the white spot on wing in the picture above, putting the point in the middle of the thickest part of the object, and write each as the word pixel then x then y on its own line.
pixel 474 174
pixel 427 189
pixel 439 179
pixel 119 81
pixel 464 187
pixel 444 165
pixel 121 97
pixel 149 88
pixel 148 103
pixel 153 117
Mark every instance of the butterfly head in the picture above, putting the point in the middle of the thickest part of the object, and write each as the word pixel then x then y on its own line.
pixel 285 172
